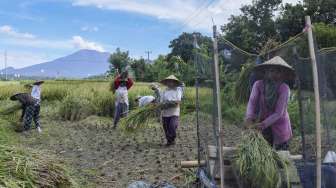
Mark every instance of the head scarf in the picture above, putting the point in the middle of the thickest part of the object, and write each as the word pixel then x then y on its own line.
pixel 271 93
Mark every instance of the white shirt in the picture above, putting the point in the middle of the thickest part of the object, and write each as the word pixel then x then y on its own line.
pixel 170 95
pixel 121 95
pixel 145 100
pixel 36 93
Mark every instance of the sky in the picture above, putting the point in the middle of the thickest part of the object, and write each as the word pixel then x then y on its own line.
pixel 37 31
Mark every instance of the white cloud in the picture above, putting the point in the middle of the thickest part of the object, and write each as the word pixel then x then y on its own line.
pixel 11 37
pixel 8 30
pixel 192 14
pixel 90 29
pixel 81 43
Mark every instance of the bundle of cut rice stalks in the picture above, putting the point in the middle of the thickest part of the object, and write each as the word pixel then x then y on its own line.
pixel 258 164
pixel 30 169
pixel 139 118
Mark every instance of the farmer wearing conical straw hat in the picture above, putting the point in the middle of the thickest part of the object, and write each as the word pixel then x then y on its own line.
pixel 267 106
pixel 171 99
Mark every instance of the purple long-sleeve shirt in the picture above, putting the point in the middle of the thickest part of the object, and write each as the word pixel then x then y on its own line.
pixel 277 119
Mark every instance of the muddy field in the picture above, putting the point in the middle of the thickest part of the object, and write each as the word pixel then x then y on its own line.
pixel 105 157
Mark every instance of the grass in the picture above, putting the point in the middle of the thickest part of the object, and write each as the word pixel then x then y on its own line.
pixel 22 168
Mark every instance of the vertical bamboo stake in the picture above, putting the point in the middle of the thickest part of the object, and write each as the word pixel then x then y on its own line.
pixel 317 102
pixel 219 112
pixel 197 102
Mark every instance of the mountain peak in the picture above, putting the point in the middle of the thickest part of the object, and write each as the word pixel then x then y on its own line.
pixel 80 64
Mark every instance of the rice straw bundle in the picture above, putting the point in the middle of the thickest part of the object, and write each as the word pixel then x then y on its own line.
pixel 139 118
pixel 19 168
pixel 243 87
pixel 258 164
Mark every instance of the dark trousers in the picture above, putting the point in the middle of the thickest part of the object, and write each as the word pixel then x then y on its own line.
pixel 32 113
pixel 170 125
pixel 268 136
pixel 121 110
pixel 23 112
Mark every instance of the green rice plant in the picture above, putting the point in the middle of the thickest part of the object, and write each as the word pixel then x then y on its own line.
pixel 8 90
pixel 10 107
pixel 242 86
pixel 258 164
pixel 76 107
pixel 139 118
pixel 28 168
pixel 54 92
pixel 104 102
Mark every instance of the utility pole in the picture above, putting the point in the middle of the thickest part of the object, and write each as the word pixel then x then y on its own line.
pixel 5 64
pixel 148 52
pixel 218 110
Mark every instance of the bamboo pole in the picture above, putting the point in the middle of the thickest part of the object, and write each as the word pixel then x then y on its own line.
pixel 218 112
pixel 317 102
pixel 197 101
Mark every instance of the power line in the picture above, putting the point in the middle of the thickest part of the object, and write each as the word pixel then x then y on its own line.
pixel 192 15
pixel 198 12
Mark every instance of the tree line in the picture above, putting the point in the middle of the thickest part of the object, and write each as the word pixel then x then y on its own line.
pixel 262 25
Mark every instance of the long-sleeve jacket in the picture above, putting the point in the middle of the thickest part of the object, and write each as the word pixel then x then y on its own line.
pixel 278 119
pixel 117 82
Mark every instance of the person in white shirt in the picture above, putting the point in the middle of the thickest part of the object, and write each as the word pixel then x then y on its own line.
pixel 144 100
pixel 32 112
pixel 171 99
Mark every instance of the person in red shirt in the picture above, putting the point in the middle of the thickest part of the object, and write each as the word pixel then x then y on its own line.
pixel 123 79
pixel 122 84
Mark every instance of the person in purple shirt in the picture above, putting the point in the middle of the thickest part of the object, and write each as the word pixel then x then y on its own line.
pixel 267 106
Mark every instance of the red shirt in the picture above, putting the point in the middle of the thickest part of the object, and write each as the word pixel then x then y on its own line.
pixel 117 81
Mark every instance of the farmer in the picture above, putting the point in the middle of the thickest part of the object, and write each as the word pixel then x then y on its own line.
pixel 144 100
pixel 30 106
pixel 267 106
pixel 122 84
pixel 157 92
pixel 28 88
pixel 33 112
pixel 171 99
pixel 182 88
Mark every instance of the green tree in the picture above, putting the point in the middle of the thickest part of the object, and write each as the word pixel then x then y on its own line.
pixel 325 35
pixel 252 29
pixel 321 10
pixel 139 68
pixel 291 21
pixel 183 46
pixel 119 60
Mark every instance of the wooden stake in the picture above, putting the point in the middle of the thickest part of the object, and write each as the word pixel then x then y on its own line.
pixel 218 112
pixel 317 102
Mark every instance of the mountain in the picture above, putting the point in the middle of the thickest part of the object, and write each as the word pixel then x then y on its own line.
pixel 81 64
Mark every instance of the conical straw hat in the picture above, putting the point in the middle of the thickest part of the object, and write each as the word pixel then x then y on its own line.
pixel 277 61
pixel 38 82
pixel 171 78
